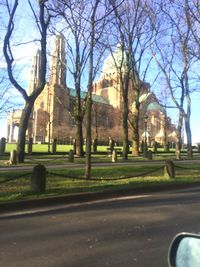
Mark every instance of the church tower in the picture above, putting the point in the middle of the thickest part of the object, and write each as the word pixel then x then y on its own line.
pixel 35 70
pixel 50 112
pixel 58 63
pixel 58 94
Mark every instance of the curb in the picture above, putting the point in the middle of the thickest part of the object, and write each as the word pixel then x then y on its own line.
pixel 23 205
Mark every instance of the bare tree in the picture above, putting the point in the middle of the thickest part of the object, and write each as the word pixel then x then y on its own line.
pixel 77 30
pixel 164 99
pixel 193 21
pixel 172 54
pixel 99 13
pixel 83 27
pixel 6 98
pixel 72 13
pixel 134 30
pixel 42 20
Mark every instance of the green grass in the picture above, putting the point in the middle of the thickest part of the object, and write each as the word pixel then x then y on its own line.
pixel 41 148
pixel 49 159
pixel 56 185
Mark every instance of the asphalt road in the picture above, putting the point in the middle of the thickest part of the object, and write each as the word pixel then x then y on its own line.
pixel 129 231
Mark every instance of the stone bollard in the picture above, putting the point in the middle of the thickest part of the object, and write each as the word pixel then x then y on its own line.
pixel 94 146
pixel 111 144
pixel 114 156
pixel 74 146
pixel 142 147
pixel 149 155
pixel 71 156
pixel 169 170
pixel 2 145
pixel 166 147
pixel 30 146
pixel 155 147
pixel 145 152
pixel 38 179
pixel 13 157
pixel 54 145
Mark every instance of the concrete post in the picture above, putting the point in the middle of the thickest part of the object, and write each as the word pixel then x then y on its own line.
pixel 114 156
pixel 2 145
pixel 169 170
pixel 71 156
pixel 94 145
pixel 38 179
pixel 74 145
pixel 155 147
pixel 198 147
pixel 142 147
pixel 54 146
pixel 111 144
pixel 149 155
pixel 166 147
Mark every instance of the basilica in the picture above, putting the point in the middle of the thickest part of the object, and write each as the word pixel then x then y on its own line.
pixel 52 115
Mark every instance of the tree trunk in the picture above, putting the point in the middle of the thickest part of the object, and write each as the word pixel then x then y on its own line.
pixel 189 138
pixel 125 120
pixel 79 139
pixel 179 137
pixel 22 131
pixel 89 98
pixel 135 132
pixel 165 142
pixel 42 20
pixel 89 138
pixel 125 133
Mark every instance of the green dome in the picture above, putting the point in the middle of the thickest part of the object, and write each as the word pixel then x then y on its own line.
pixel 114 61
pixel 155 106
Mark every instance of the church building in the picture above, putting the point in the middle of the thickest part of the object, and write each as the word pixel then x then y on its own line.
pixel 52 113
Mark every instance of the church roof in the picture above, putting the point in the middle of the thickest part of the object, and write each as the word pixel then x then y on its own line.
pixel 155 106
pixel 99 99
pixel 72 93
pixel 96 98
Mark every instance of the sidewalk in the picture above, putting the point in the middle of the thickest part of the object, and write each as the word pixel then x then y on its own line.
pixel 30 204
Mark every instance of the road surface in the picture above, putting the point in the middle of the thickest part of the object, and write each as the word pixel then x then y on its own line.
pixel 128 231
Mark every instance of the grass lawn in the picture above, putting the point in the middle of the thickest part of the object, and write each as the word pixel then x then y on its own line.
pixel 43 148
pixel 40 148
pixel 42 154
pixel 19 188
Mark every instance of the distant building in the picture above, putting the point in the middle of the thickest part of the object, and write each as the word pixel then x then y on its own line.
pixel 52 113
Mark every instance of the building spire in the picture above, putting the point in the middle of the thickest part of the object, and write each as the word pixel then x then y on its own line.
pixel 35 70
pixel 58 62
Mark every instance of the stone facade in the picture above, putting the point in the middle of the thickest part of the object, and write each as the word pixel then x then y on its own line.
pixel 13 120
